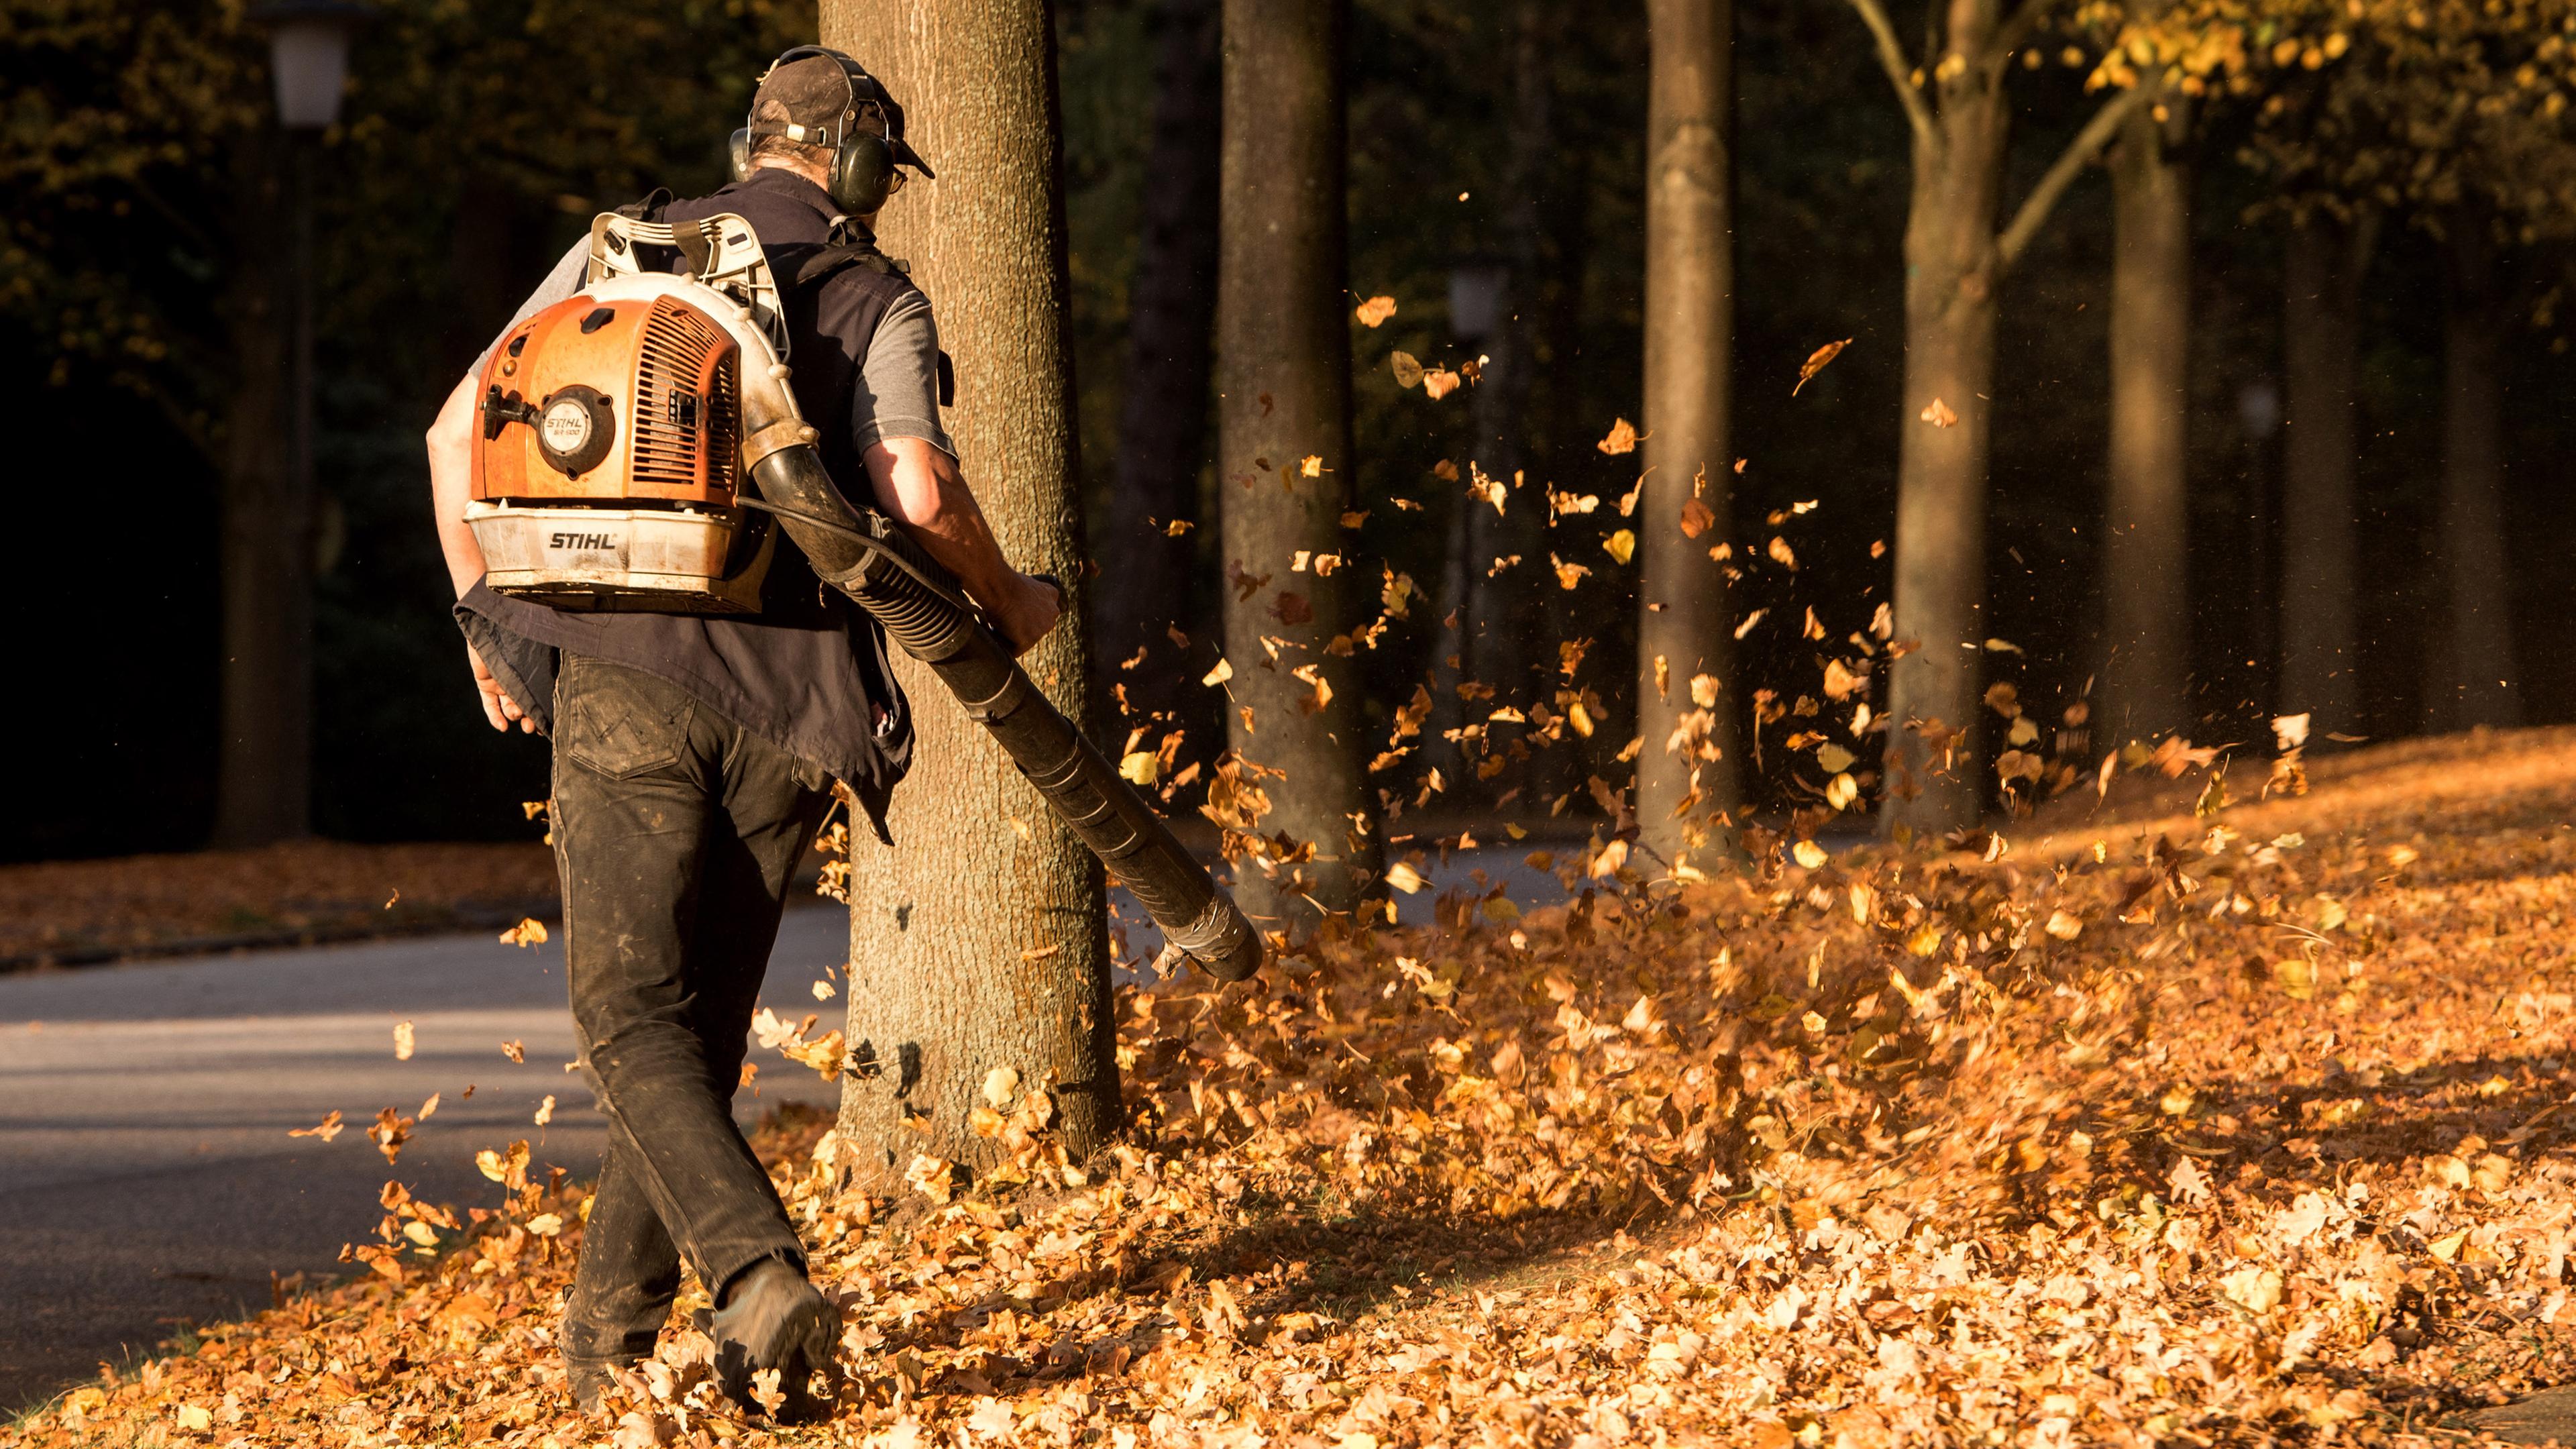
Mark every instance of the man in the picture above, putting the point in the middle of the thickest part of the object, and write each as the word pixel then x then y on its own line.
pixel 693 754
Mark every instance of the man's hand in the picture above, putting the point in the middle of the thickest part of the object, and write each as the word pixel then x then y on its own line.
pixel 1031 610
pixel 498 707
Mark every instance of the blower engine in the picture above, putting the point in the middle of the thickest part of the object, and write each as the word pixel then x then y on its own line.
pixel 609 465
pixel 638 443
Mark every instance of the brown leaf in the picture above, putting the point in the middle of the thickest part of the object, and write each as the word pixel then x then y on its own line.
pixel 1816 361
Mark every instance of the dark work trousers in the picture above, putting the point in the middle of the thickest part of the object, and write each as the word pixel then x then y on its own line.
pixel 675 831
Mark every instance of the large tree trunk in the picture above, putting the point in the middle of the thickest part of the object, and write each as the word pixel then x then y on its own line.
pixel 264 769
pixel 2469 678
pixel 1952 268
pixel 1682 625
pixel 975 946
pixel 2322 266
pixel 1284 389
pixel 2146 593
pixel 1162 423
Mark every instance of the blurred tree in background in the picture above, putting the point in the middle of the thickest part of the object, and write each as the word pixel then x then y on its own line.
pixel 2334 284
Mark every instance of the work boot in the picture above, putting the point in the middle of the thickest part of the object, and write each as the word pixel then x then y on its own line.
pixel 773 1318
pixel 590 1379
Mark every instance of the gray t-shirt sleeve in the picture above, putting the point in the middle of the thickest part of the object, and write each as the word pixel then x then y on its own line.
pixel 897 392
pixel 560 283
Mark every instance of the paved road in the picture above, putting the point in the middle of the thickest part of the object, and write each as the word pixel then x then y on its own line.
pixel 146 1178
pixel 146 1175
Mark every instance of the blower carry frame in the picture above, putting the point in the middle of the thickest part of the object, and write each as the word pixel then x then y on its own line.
pixel 728 286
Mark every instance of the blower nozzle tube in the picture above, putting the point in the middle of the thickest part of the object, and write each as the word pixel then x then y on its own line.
pixel 924 612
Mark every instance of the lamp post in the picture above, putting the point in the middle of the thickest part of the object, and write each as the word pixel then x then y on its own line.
pixel 264 784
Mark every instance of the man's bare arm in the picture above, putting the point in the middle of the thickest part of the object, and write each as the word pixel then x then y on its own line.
pixel 451 482
pixel 920 487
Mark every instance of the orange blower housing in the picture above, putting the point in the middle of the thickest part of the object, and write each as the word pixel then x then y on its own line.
pixel 607 459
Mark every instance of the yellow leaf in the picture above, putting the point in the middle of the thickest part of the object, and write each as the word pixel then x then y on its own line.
pixel 2063 926
pixel 1809 854
pixel 1621 545
pixel 1404 877
pixel 1139 767
pixel 402 1041
pixel 1833 758
pixel 546 1225
pixel 1375 311
pixel 1816 361
pixel 2448 1248
pixel 196 1418
pixel 1940 415
pixel 421 1233
pixel 1224 671
pixel 1001 1086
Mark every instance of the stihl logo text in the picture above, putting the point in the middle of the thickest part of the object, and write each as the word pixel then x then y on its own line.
pixel 582 540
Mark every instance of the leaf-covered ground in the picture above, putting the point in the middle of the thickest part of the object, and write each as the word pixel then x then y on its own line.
pixel 74 910
pixel 2234 1129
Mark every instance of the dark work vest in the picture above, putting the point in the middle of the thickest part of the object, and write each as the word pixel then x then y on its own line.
pixel 808 672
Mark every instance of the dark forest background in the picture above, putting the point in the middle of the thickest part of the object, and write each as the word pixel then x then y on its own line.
pixel 478 143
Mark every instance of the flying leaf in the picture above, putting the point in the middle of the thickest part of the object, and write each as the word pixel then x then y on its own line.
pixel 402 1041
pixel 1375 311
pixel 1697 517
pixel 529 932
pixel 1219 675
pixel 1816 361
pixel 326 1129
pixel 1621 545
pixel 1622 438
pixel 1138 767
pixel 1438 382
pixel 1407 368
pixel 1940 414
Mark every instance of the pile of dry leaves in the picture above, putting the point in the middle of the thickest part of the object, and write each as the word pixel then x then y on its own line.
pixel 2222 1129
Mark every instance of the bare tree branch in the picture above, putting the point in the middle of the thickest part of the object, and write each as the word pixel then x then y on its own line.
pixel 2079 153
pixel 1891 58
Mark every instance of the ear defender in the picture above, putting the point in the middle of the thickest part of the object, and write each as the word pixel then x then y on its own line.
pixel 738 153
pixel 862 173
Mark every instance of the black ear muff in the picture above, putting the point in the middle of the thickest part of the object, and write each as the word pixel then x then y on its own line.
pixel 862 174
pixel 738 153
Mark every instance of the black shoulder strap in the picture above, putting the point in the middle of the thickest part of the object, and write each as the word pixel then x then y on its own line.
pixel 649 208
pixel 824 263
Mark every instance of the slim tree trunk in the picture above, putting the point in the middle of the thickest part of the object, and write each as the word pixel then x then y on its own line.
pixel 974 947
pixel 1284 397
pixel 264 769
pixel 1682 625
pixel 2322 267
pixel 1952 269
pixel 1162 422
pixel 2470 678
pixel 2145 588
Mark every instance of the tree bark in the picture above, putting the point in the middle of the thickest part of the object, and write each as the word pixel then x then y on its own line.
pixel 1162 424
pixel 1284 396
pixel 2322 266
pixel 1952 269
pixel 1682 626
pixel 974 945
pixel 2145 567
pixel 2470 678
pixel 264 769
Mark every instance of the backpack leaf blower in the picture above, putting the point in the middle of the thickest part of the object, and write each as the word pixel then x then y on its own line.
pixel 618 429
